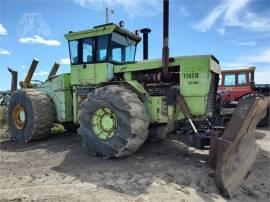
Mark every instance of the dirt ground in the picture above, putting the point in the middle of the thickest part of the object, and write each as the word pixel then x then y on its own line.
pixel 58 169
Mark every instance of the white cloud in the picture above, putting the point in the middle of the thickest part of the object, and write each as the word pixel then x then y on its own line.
pixel 261 61
pixel 221 30
pixel 65 61
pixel 228 65
pixel 39 74
pixel 233 8
pixel 4 52
pixel 32 24
pixel 244 43
pixel 247 43
pixel 133 8
pixel 262 57
pixel 206 23
pixel 23 67
pixel 232 13
pixel 39 40
pixel 3 30
pixel 183 11
pixel 262 77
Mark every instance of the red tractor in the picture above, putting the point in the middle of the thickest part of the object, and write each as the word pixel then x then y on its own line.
pixel 239 84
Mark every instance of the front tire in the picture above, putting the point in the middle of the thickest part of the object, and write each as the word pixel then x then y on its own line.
pixel 113 122
pixel 30 115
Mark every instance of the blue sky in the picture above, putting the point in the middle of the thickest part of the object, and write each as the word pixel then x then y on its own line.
pixel 237 32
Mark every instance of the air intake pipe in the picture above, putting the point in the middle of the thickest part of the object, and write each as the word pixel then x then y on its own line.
pixel 14 79
pixel 165 51
pixel 145 32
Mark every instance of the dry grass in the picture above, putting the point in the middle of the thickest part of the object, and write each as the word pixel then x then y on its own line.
pixel 3 115
pixel 3 122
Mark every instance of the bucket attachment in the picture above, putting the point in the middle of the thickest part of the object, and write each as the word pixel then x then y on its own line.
pixel 234 152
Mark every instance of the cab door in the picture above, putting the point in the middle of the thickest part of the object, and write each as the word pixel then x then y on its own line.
pixel 82 58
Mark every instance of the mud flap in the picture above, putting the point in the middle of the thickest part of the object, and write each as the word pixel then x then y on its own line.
pixel 233 153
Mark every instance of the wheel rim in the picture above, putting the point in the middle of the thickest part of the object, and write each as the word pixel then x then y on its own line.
pixel 104 123
pixel 19 117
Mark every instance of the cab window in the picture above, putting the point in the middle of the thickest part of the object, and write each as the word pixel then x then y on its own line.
pixel 229 80
pixel 74 47
pixel 87 46
pixel 102 46
pixel 242 79
pixel 123 48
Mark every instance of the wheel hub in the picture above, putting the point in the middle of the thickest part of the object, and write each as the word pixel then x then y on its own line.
pixel 19 117
pixel 104 123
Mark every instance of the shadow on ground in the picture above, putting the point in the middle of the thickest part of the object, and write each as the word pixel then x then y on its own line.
pixel 156 164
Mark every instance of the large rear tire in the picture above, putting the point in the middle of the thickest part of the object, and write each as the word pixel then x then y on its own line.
pixel 113 122
pixel 30 115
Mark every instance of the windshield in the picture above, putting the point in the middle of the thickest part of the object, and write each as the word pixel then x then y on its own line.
pixel 95 49
pixel 123 48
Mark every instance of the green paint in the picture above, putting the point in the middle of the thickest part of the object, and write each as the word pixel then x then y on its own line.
pixel 128 76
pixel 99 31
pixel 159 111
pixel 157 64
pixel 91 73
pixel 137 87
pixel 75 105
pixel 104 123
pixel 142 65
pixel 59 89
pixel 195 79
pixel 22 116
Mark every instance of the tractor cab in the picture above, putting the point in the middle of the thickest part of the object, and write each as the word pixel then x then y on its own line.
pixel 94 52
pixel 236 83
pixel 105 43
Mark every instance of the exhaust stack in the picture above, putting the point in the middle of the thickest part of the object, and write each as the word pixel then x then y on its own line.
pixel 165 50
pixel 14 79
pixel 54 70
pixel 30 73
pixel 145 32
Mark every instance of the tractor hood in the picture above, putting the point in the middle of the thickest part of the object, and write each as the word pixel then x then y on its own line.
pixel 207 60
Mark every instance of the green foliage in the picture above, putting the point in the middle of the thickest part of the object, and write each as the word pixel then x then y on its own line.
pixel 57 128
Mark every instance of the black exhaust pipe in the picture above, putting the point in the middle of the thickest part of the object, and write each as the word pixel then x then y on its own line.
pixel 14 79
pixel 165 50
pixel 145 32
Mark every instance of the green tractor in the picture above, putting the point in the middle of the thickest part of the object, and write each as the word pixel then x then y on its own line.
pixel 117 102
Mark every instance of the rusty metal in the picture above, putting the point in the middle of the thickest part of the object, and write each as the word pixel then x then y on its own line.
pixel 54 70
pixel 236 150
pixel 212 157
pixel 14 79
pixel 18 116
pixel 165 50
pixel 27 81
pixel 184 108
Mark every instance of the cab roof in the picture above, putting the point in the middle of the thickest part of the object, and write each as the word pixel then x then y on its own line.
pixel 243 69
pixel 101 30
